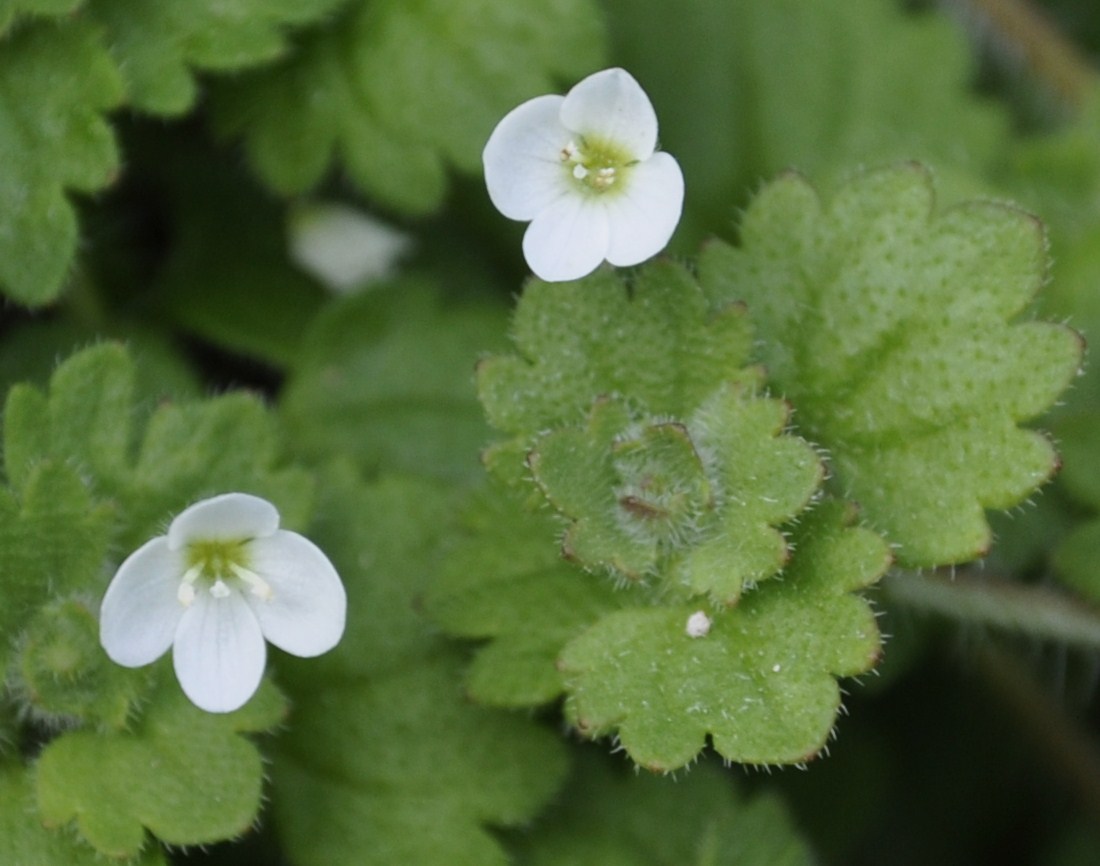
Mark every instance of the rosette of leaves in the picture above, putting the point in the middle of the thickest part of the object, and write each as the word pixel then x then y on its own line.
pixel 658 450
pixel 643 427
pixel 899 332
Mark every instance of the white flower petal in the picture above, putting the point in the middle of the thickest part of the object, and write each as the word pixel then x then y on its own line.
pixel 219 652
pixel 228 517
pixel 612 106
pixel 305 614
pixel 522 158
pixel 568 239
pixel 644 213
pixel 141 609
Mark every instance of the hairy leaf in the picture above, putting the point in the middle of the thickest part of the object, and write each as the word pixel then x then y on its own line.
pixel 206 785
pixel 699 499
pixel 505 580
pixel 652 341
pixel 399 90
pixel 187 451
pixel 889 325
pixel 25 842
pixel 760 680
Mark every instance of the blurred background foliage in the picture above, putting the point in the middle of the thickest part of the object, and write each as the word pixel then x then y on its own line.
pixel 977 739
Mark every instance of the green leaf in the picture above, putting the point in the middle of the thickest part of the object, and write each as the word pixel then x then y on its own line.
pixel 694 502
pixel 158 45
pixel 207 785
pixel 25 842
pixel 186 452
pixel 386 378
pixel 400 90
pixel 887 324
pixel 760 682
pixel 653 340
pixel 614 817
pixel 365 766
pixel 385 760
pixel 63 673
pixel 56 80
pixel 505 580
pixel 53 541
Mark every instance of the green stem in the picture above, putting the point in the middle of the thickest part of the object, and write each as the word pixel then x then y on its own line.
pixel 1032 611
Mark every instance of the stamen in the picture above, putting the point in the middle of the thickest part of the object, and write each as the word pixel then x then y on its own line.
pixel 256 584
pixel 186 592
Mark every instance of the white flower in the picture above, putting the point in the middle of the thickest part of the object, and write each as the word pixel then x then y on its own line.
pixel 224 578
pixel 583 170
pixel 342 247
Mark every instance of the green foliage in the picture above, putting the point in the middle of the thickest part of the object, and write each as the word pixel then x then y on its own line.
pixel 25 842
pixel 53 541
pixel 59 76
pixel 653 340
pixel 760 682
pixel 366 386
pixel 615 818
pixel 188 450
pixel 157 45
pixel 498 572
pixel 56 80
pixel 64 675
pixel 207 786
pixel 382 734
pixel 401 90
pixel 887 325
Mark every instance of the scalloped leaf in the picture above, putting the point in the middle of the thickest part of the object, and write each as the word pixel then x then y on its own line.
pixel 401 90
pixel 697 502
pixel 25 842
pixel 887 324
pixel 56 80
pixel 386 379
pixel 505 580
pixel 53 540
pixel 652 340
pixel 760 681
pixel 382 733
pixel 614 817
pixel 187 450
pixel 207 785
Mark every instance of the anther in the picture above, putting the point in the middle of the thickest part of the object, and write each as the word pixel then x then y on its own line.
pixel 256 584
pixel 186 593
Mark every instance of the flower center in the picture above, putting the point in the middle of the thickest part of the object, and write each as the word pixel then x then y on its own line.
pixel 596 166
pixel 219 567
